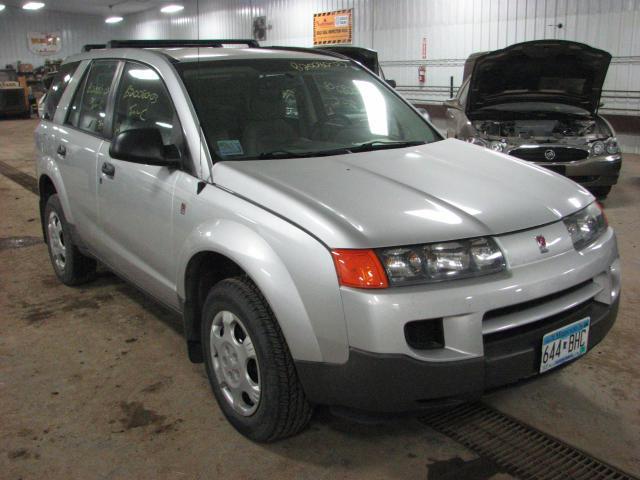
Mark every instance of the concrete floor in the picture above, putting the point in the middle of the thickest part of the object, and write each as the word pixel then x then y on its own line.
pixel 95 383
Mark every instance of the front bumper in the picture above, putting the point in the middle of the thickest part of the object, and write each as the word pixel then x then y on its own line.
pixel 388 383
pixel 491 328
pixel 600 171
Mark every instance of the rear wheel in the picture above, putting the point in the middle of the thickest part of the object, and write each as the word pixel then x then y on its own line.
pixel 249 365
pixel 70 266
pixel 600 192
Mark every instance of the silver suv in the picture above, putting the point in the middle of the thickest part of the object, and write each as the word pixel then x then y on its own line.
pixel 323 243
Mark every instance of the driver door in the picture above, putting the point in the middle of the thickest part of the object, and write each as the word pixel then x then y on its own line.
pixel 135 201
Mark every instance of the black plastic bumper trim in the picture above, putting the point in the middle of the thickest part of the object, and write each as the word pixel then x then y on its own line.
pixel 391 383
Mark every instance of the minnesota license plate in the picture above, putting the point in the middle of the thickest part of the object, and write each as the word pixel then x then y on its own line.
pixel 564 344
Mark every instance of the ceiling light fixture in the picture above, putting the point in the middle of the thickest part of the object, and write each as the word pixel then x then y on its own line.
pixel 33 6
pixel 114 19
pixel 172 9
pixel 2 6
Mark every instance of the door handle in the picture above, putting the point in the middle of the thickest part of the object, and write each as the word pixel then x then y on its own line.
pixel 62 150
pixel 108 169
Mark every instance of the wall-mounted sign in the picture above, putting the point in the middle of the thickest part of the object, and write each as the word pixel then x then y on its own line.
pixel 332 28
pixel 42 43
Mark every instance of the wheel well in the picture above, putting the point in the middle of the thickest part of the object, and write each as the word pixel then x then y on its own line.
pixel 204 270
pixel 46 189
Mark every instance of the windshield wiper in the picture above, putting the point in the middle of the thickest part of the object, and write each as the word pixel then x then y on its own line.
pixel 289 154
pixel 380 145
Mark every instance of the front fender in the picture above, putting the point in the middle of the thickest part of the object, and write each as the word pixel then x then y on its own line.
pixel 293 271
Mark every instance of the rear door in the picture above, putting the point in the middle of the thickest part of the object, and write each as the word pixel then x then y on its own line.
pixel 135 201
pixel 78 141
pixel 45 135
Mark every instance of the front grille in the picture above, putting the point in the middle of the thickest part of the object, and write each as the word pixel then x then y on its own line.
pixel 541 154
pixel 518 307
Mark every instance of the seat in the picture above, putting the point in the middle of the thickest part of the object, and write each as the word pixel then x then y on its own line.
pixel 266 129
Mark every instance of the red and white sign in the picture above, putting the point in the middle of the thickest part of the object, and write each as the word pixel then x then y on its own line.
pixel 42 43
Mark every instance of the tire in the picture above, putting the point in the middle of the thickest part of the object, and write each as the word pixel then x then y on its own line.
pixel 70 266
pixel 281 408
pixel 600 192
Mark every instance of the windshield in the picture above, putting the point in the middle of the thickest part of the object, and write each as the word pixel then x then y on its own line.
pixel 265 108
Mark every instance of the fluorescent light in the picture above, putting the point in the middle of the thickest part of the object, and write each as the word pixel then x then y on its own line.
pixel 2 6
pixel 33 6
pixel 172 8
pixel 114 19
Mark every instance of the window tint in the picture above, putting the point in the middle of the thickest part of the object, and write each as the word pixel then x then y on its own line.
pixel 143 102
pixel 58 86
pixel 89 106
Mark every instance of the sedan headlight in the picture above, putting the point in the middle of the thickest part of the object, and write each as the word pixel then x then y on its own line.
pixel 586 225
pixel 597 148
pixel 612 146
pixel 436 262
pixel 495 145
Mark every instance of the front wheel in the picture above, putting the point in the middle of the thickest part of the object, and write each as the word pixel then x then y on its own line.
pixel 249 365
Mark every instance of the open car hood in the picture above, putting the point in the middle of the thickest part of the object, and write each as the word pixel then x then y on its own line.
pixel 365 56
pixel 554 71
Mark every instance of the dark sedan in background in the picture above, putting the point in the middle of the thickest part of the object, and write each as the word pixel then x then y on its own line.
pixel 539 101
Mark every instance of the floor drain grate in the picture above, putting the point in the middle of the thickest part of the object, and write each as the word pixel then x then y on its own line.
pixel 518 448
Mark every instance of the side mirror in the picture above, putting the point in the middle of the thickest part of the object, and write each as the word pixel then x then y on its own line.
pixel 425 114
pixel 391 83
pixel 142 145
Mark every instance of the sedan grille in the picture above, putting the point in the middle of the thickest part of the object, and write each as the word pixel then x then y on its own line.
pixel 550 154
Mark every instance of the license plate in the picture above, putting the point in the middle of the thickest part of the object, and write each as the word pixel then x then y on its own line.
pixel 564 344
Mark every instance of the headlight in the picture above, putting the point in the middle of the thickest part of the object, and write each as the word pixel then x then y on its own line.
pixel 586 225
pixel 478 141
pixel 597 148
pixel 612 146
pixel 497 146
pixel 436 262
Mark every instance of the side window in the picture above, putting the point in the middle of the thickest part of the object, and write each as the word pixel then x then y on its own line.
pixel 89 106
pixel 57 88
pixel 142 101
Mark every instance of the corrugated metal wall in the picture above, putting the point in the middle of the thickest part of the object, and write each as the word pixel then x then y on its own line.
pixel 453 29
pixel 77 30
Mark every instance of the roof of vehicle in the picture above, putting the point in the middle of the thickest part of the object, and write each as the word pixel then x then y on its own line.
pixel 208 53
pixel 199 50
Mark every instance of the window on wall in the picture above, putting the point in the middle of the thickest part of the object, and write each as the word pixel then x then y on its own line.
pixel 88 110
pixel 57 88
pixel 142 101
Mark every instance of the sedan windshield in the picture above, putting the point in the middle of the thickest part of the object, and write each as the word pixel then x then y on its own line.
pixel 267 109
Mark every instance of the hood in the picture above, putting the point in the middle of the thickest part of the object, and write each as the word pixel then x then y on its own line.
pixel 442 191
pixel 553 71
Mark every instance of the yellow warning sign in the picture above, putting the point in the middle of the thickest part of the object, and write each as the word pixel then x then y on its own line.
pixel 331 28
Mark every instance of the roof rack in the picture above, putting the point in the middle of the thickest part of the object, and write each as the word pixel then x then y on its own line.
pixel 216 43
pixel 93 46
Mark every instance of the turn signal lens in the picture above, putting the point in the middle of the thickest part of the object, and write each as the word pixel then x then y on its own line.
pixel 359 269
